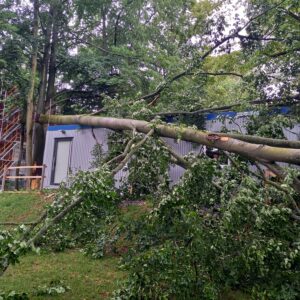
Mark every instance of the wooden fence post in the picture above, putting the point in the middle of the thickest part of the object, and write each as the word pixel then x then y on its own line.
pixel 43 176
pixel 3 179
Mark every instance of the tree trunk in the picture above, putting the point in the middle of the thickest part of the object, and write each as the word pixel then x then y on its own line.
pixel 20 155
pixel 39 145
pixel 39 135
pixel 30 105
pixel 254 151
pixel 52 64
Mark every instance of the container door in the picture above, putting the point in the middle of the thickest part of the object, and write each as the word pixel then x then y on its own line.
pixel 61 162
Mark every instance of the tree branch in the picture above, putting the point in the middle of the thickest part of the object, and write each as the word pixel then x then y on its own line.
pixel 262 38
pixel 280 173
pixel 278 54
pixel 178 158
pixel 253 139
pixel 207 53
pixel 180 161
pixel 262 177
pixel 132 151
pixel 107 51
pixel 55 220
pixel 215 74
pixel 122 155
pixel 271 102
pixel 291 14
pixel 278 186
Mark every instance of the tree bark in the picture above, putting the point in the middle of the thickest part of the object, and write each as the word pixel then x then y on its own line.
pixel 30 104
pixel 255 151
pixel 22 138
pixel 39 134
pixel 44 68
pixel 253 139
pixel 52 63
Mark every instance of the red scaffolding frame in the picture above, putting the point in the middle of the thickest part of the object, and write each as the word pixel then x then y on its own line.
pixel 10 132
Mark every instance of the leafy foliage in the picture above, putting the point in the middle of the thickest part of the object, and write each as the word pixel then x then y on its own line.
pixel 195 244
pixel 267 124
pixel 148 170
pixel 13 296
pixel 81 226
pixel 108 56
pixel 145 171
pixel 55 288
pixel 12 246
pixel 98 156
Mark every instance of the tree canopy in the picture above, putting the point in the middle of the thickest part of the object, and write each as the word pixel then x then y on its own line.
pixel 131 66
pixel 190 54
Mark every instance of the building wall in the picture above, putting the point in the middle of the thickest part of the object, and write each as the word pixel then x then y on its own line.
pixel 238 123
pixel 81 147
pixel 230 121
pixel 83 143
pixel 182 148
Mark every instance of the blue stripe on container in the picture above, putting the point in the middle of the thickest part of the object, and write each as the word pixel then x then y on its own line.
pixel 284 110
pixel 214 116
pixel 63 127
pixel 69 127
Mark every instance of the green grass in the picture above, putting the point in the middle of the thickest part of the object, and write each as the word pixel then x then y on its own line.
pixel 20 207
pixel 133 212
pixel 87 278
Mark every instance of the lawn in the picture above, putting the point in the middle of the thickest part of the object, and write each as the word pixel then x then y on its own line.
pixel 87 278
pixel 21 206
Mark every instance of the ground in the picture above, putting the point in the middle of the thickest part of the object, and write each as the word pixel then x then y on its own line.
pixel 87 278
pixel 21 206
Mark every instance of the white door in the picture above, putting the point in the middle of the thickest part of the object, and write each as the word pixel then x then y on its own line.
pixel 62 158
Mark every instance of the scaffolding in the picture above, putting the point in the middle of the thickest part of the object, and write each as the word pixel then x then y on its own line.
pixel 10 131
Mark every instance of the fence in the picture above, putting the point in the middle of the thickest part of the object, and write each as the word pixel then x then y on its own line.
pixel 29 178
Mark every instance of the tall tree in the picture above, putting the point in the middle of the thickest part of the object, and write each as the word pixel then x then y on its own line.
pixel 30 97
pixel 53 24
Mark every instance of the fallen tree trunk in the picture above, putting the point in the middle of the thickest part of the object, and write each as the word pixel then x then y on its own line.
pixel 256 151
pixel 254 139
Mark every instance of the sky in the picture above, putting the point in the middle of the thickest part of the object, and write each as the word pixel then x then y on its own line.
pixel 231 10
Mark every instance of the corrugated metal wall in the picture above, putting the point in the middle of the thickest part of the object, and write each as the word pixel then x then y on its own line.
pixel 182 148
pixel 83 143
pixel 237 122
pixel 292 134
pixel 81 147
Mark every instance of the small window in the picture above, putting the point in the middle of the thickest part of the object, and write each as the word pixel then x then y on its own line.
pixel 61 160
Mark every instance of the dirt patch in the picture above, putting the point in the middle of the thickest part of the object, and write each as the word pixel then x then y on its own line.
pixel 127 203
